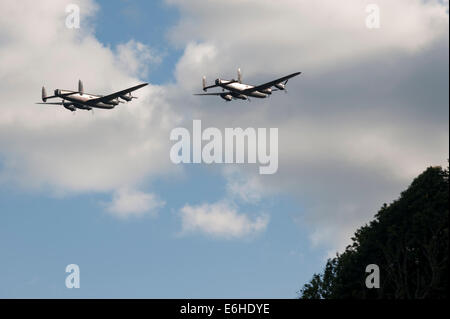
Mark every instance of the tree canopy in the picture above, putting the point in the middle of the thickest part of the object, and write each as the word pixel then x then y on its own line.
pixel 407 239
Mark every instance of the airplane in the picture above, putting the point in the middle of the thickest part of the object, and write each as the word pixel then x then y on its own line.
pixel 237 90
pixel 73 100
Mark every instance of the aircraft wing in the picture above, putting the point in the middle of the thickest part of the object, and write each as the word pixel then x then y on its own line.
pixel 205 88
pixel 213 93
pixel 271 83
pixel 210 87
pixel 115 95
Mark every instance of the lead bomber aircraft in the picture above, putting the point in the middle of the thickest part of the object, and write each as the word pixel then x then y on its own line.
pixel 73 100
pixel 237 90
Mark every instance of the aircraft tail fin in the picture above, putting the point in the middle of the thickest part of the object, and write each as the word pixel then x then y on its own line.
pixel 80 87
pixel 44 94
pixel 204 83
pixel 239 74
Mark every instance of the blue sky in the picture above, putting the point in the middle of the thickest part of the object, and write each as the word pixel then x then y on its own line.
pixel 345 149
pixel 145 257
pixel 144 21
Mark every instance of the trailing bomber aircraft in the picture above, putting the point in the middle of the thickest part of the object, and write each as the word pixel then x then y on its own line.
pixel 73 100
pixel 235 89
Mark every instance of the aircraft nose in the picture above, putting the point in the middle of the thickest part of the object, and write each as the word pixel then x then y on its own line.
pixel 217 81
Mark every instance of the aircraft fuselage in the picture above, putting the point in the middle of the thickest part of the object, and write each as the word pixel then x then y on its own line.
pixel 85 100
pixel 239 88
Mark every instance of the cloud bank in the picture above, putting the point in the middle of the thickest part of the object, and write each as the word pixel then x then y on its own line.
pixel 368 113
pixel 44 147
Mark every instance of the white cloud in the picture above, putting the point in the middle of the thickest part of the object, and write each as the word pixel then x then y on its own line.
pixel 299 34
pixel 135 57
pixel 128 202
pixel 247 188
pixel 48 147
pixel 221 220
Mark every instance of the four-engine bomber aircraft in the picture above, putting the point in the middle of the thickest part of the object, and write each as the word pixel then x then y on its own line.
pixel 73 100
pixel 238 90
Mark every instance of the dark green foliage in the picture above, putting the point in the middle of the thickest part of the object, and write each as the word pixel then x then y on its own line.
pixel 408 240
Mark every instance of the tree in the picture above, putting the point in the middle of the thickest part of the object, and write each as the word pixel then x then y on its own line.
pixel 407 239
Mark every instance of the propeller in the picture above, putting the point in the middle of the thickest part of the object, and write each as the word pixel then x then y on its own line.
pixel 274 90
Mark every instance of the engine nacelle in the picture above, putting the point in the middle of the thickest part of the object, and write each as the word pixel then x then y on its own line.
pixel 82 107
pixel 69 106
pixel 280 86
pixel 226 97
pixel 266 91
pixel 127 98
pixel 113 102
pixel 241 97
